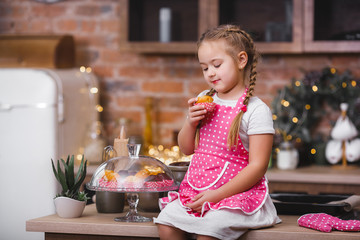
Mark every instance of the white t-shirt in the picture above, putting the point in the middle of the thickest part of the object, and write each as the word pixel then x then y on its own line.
pixel 256 120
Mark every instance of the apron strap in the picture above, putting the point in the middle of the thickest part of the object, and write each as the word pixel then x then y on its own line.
pixel 239 103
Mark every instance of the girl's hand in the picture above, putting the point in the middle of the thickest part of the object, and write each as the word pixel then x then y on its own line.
pixel 196 112
pixel 206 196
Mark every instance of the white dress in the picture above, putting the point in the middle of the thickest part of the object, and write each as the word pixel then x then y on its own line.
pixel 228 223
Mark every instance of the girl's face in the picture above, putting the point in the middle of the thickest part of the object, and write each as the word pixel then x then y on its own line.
pixel 220 70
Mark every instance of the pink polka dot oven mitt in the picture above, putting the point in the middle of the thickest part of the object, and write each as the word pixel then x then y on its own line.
pixel 325 223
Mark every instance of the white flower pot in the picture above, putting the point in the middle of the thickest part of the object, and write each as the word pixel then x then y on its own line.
pixel 69 208
pixel 287 157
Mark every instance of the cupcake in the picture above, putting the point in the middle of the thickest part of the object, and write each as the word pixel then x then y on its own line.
pixel 207 102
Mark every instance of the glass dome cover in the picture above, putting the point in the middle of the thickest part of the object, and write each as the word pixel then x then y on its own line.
pixel 133 174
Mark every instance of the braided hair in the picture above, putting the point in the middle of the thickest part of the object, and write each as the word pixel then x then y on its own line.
pixel 237 40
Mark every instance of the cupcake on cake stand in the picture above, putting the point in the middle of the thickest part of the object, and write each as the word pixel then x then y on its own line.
pixel 133 175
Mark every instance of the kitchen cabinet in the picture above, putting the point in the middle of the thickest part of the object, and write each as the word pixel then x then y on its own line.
pixel 139 25
pixel 278 27
pixel 315 180
pixel 331 26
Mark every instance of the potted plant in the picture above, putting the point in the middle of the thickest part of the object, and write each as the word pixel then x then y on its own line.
pixel 71 201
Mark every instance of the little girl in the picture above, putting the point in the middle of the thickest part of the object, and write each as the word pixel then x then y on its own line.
pixel 224 191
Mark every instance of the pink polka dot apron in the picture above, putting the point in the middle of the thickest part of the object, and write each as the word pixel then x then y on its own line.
pixel 213 165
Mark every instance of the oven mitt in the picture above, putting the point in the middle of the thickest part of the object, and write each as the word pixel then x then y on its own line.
pixel 325 223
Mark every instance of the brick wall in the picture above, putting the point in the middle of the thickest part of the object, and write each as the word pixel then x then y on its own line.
pixel 127 79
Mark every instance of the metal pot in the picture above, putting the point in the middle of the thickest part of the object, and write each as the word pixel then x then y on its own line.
pixel 179 170
pixel 149 201
pixel 110 202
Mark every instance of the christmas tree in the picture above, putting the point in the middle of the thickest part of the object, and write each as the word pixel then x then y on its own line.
pixel 298 108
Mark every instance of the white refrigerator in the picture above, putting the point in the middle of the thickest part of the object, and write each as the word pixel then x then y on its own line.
pixel 44 115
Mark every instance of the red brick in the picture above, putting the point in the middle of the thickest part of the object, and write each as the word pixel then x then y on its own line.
pixel 345 61
pixel 135 116
pixel 20 27
pixel 197 87
pixel 182 71
pixel 67 25
pixel 267 99
pixel 98 40
pixel 13 11
pixel 110 55
pixel 39 26
pixel 88 26
pixel 110 25
pixel 174 102
pixel 103 71
pixel 170 116
pixel 151 60
pixel 165 137
pixel 6 26
pixel 162 86
pixel 261 88
pixel 89 10
pixel 147 72
pixel 130 101
pixel 306 62
pixel 49 11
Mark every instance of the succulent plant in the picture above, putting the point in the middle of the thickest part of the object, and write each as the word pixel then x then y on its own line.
pixel 66 177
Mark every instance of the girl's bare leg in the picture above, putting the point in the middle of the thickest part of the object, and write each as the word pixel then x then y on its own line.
pixel 203 237
pixel 170 233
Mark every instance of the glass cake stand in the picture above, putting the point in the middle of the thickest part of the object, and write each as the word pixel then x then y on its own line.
pixel 133 175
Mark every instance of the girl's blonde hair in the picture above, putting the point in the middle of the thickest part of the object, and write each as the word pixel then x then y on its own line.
pixel 237 40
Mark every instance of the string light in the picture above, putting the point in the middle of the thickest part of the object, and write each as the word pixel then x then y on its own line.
pixel 307 106
pixel 298 140
pixel 333 70
pixel 285 103
pixel 353 83
pixel 167 155
pixel 94 90
pixel 344 84
pixel 295 119
pixel 313 151
pixel 274 117
pixel 314 88
pixel 297 83
pixel 82 69
pixel 288 137
pixel 99 108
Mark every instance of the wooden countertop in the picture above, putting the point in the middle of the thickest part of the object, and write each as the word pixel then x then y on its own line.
pixel 316 174
pixel 94 223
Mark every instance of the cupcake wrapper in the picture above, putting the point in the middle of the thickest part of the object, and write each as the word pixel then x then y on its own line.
pixel 208 106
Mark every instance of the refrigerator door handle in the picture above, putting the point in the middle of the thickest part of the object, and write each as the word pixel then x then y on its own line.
pixel 8 107
pixel 61 115
pixel 5 107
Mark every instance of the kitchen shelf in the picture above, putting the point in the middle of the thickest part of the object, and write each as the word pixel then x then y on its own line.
pixel 324 19
pixel 267 23
pixel 190 18
pixel 274 29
